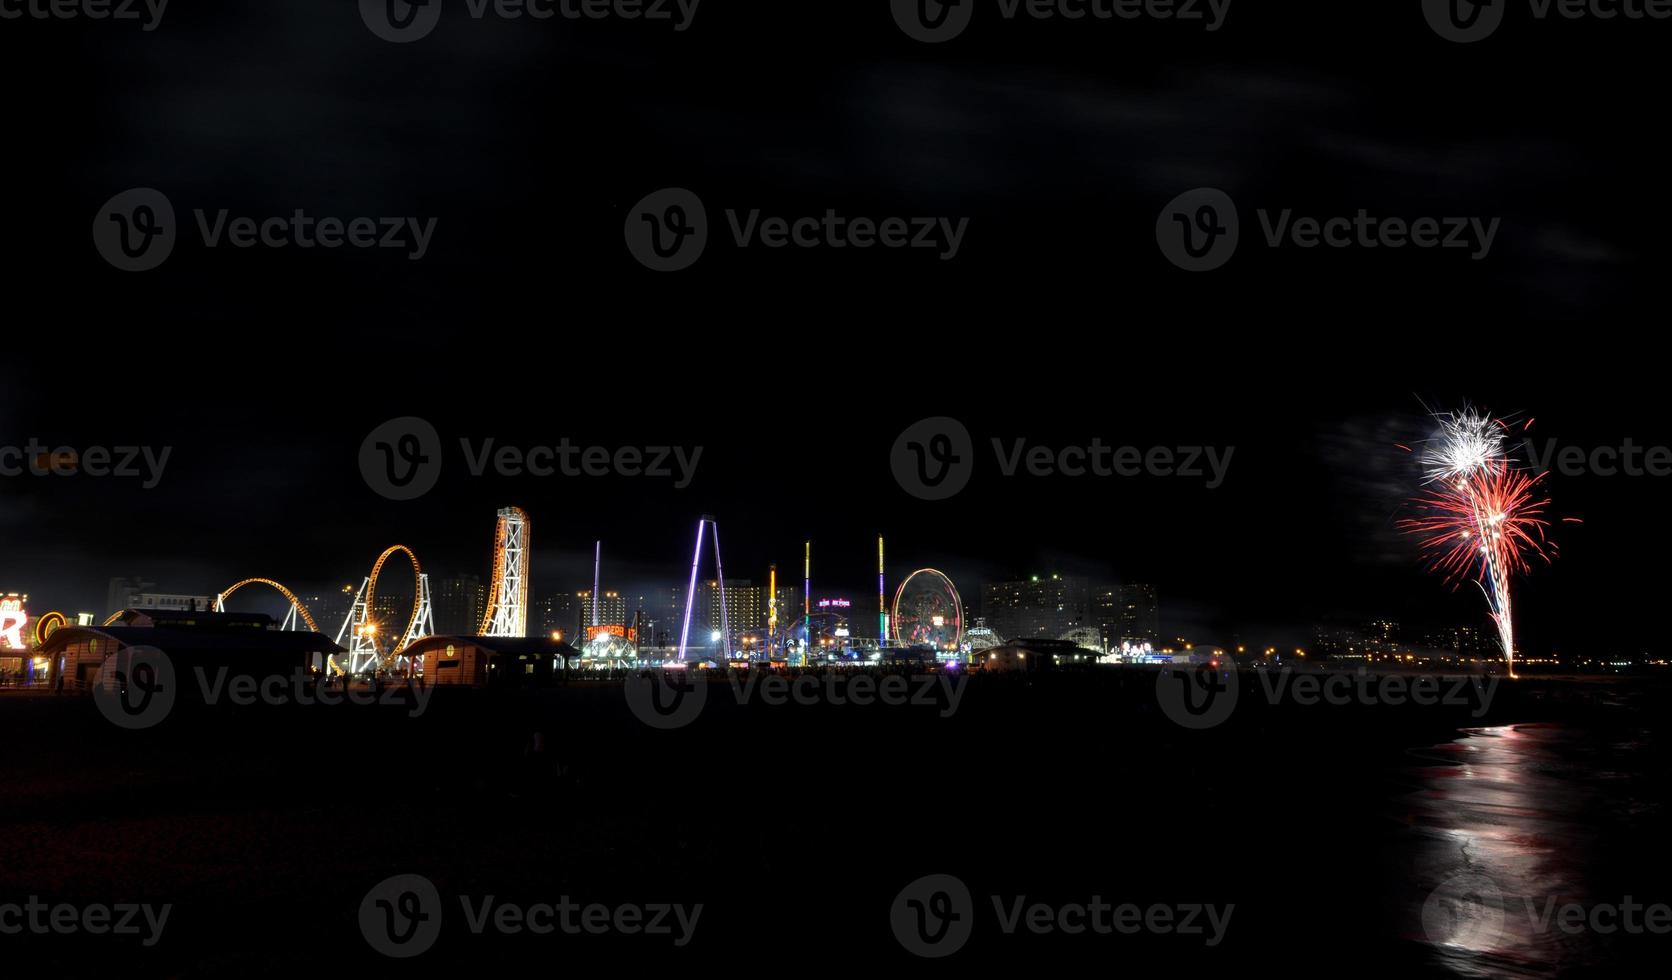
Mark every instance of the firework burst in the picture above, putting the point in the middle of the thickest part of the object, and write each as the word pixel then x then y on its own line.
pixel 1467 443
pixel 1479 518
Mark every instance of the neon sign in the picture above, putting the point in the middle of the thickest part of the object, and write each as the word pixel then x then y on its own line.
pixel 834 604
pixel 49 624
pixel 611 630
pixel 12 620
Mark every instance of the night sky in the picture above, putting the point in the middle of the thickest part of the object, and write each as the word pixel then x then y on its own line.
pixel 1059 322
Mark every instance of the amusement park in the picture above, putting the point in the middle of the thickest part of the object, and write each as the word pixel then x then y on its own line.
pixel 382 636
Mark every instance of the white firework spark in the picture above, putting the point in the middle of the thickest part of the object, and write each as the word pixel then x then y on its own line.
pixel 1466 443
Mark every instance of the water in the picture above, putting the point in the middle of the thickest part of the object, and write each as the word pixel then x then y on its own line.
pixel 1506 820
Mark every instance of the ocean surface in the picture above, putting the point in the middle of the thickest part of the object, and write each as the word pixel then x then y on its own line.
pixel 1508 824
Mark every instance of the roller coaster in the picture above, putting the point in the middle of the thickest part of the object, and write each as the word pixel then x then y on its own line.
pixel 361 629
pixel 507 613
pixel 296 607
pixel 369 648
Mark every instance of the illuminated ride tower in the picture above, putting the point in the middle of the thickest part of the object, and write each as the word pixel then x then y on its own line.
pixel 806 606
pixel 882 603
pixel 606 645
pixel 597 567
pixel 691 592
pixel 508 594
pixel 771 613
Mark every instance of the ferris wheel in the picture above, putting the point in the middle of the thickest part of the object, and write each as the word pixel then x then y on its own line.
pixel 928 611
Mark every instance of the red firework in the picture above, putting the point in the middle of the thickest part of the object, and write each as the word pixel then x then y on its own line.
pixel 1488 526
